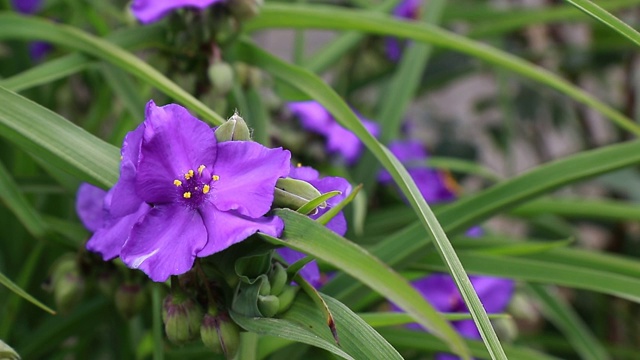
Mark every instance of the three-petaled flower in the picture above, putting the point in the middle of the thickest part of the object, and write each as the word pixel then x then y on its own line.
pixel 148 11
pixel 182 194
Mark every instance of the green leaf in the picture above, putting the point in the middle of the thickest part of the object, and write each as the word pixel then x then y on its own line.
pixel 607 19
pixel 56 140
pixel 613 210
pixel 333 249
pixel 16 289
pixel 31 28
pixel 336 18
pixel 383 319
pixel 562 315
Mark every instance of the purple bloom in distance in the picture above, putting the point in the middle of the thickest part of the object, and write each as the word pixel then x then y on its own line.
pixel 431 182
pixel 440 291
pixel 187 195
pixel 148 11
pixel 338 224
pixel 27 7
pixel 407 9
pixel 315 118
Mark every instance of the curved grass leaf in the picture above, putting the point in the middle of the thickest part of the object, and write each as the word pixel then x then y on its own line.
pixel 544 270
pixel 336 18
pixel 58 141
pixel 18 27
pixel 382 319
pixel 607 19
pixel 562 315
pixel 305 323
pixel 581 208
pixel 5 281
pixel 333 249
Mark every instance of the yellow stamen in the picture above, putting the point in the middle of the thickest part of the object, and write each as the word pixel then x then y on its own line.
pixel 205 189
pixel 299 165
pixel 187 195
pixel 177 182
pixel 200 168
pixel 121 157
pixel 215 177
pixel 188 175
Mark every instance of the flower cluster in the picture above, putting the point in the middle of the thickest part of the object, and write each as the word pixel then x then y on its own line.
pixel 315 118
pixel 182 194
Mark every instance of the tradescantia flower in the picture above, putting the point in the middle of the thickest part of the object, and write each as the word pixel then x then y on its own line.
pixel 431 183
pixel 315 118
pixel 406 9
pixel 338 224
pixel 182 194
pixel 148 11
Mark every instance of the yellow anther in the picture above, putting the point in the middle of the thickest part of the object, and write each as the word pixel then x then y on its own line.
pixel 121 157
pixel 215 177
pixel 186 195
pixel 177 182
pixel 200 168
pixel 205 189
pixel 299 165
pixel 188 175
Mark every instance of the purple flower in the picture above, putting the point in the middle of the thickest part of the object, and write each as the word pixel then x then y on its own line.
pixel 90 206
pixel 407 9
pixel 314 117
pixel 338 224
pixel 431 183
pixel 182 195
pixel 27 7
pixel 440 291
pixel 148 11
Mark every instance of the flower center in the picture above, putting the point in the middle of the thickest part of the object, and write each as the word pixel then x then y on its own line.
pixel 196 186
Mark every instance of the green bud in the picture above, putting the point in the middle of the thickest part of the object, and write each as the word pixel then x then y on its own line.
pixel 265 288
pixel 107 283
pixel 233 129
pixel 293 193
pixel 286 298
pixel 245 9
pixel 278 278
pixel 268 305
pixel 7 353
pixel 130 299
pixel 242 72
pixel 220 334
pixel 67 283
pixel 182 317
pixel 221 77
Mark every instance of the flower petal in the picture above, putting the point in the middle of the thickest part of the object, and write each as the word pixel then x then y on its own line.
pixel 309 272
pixel 109 239
pixel 495 293
pixel 440 290
pixel 90 206
pixel 343 142
pixel 305 173
pixel 148 11
pixel 173 143
pixel 247 174
pixel 124 191
pixel 226 228
pixel 165 242
pixel 467 328
pixel 313 116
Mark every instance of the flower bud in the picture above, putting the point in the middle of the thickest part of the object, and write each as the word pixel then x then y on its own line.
pixel 277 278
pixel 268 305
pixel 233 129
pixel 265 288
pixel 7 353
pixel 221 77
pixel 245 9
pixel 130 299
pixel 293 193
pixel 107 283
pixel 220 334
pixel 67 283
pixel 286 298
pixel 182 317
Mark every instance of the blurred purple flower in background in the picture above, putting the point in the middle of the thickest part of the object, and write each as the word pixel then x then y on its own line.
pixel 148 11
pixel 430 182
pixel 37 49
pixel 182 195
pixel 407 9
pixel 338 224
pixel 315 118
